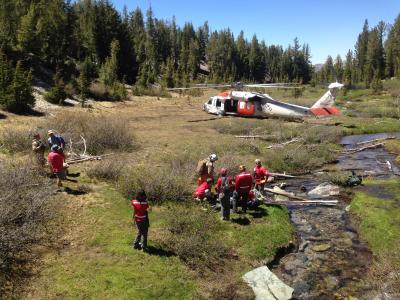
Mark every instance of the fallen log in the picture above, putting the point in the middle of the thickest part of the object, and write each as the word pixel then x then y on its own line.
pixel 286 194
pixel 376 140
pixel 77 161
pixel 261 137
pixel 285 143
pixel 303 203
pixel 355 150
pixel 282 175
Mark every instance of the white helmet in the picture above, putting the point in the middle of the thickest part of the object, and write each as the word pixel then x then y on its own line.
pixel 213 157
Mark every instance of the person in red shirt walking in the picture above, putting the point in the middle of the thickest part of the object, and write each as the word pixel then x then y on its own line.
pixel 243 184
pixel 260 175
pixel 56 160
pixel 140 215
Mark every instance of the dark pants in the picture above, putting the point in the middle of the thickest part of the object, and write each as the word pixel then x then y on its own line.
pixel 141 237
pixel 240 199
pixel 225 205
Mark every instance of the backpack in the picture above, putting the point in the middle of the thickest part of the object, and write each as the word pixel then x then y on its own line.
pixel 201 167
pixel 226 186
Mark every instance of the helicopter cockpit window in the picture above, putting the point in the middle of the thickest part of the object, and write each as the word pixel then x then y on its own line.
pixel 209 101
pixel 218 104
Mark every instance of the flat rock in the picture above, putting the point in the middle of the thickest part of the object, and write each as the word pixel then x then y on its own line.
pixel 321 247
pixel 266 285
pixel 324 190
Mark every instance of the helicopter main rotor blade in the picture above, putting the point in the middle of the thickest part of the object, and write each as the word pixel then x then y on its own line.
pixel 199 87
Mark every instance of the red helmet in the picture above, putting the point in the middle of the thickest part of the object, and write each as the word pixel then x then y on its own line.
pixel 223 171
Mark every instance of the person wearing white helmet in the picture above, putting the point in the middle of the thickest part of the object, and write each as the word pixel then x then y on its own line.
pixel 205 168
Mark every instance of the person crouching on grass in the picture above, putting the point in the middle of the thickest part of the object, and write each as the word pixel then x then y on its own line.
pixel 141 217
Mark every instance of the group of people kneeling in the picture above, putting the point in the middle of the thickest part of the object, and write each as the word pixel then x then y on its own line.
pixel 230 191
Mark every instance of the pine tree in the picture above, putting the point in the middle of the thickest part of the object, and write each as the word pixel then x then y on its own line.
pixel 348 70
pixel 339 69
pixel 361 50
pixel 109 70
pixel 57 93
pixel 15 87
pixel 27 40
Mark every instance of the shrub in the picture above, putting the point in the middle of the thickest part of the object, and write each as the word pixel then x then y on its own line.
pixel 298 158
pixel 24 213
pixel 106 170
pixel 336 177
pixel 171 183
pixel 100 132
pixel 194 235
pixel 14 139
pixel 155 92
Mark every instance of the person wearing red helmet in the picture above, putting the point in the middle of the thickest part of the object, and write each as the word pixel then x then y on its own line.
pixel 243 184
pixel 224 189
pixel 260 175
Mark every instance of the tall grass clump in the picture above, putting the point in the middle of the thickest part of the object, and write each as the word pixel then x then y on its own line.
pixel 15 139
pixel 101 132
pixel 169 183
pixel 194 235
pixel 108 169
pixel 298 158
pixel 24 214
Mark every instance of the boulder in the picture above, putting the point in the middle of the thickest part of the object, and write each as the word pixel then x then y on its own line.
pixel 266 285
pixel 324 190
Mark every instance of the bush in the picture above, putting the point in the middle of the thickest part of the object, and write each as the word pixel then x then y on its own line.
pixel 171 183
pixel 100 91
pixel 194 235
pixel 24 213
pixel 154 92
pixel 337 177
pixel 14 139
pixel 106 170
pixel 100 132
pixel 298 158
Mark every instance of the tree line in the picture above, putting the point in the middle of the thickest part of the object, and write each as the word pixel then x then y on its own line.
pixel 376 56
pixel 89 39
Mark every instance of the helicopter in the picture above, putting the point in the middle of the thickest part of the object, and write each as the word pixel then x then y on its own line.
pixel 236 102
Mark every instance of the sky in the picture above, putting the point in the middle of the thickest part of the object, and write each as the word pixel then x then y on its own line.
pixel 329 27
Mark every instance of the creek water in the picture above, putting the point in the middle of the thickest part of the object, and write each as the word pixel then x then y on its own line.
pixel 329 260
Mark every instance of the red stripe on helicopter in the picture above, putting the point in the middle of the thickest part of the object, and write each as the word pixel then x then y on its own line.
pixel 325 111
pixel 224 94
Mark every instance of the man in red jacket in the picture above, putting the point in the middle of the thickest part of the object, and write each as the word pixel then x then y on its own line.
pixel 243 184
pixel 140 215
pixel 260 175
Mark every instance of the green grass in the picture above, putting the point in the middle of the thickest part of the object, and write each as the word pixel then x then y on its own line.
pixel 264 236
pixel 102 263
pixel 379 219
pixel 394 147
pixel 105 265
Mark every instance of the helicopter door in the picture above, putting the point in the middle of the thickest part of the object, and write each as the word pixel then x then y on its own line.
pixel 246 108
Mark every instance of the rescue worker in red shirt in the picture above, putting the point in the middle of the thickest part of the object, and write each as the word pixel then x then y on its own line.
pixel 141 218
pixel 243 184
pixel 260 175
pixel 56 160
pixel 224 189
pixel 203 191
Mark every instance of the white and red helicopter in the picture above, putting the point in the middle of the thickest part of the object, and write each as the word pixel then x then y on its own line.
pixel 253 104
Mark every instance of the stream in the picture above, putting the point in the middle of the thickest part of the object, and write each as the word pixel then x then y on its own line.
pixel 329 261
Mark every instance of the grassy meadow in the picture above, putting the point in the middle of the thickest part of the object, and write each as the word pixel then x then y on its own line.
pixel 156 143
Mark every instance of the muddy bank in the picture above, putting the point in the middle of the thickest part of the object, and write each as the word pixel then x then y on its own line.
pixel 330 261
